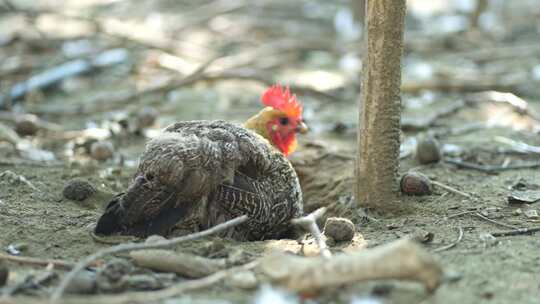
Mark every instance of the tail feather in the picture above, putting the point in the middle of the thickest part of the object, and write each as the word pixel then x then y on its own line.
pixel 161 211
pixel 109 222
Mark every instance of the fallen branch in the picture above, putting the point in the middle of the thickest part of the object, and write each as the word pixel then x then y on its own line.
pixel 402 259
pixel 144 296
pixel 519 146
pixel 59 291
pixel 31 281
pixel 110 100
pixel 40 262
pixel 186 265
pixel 58 73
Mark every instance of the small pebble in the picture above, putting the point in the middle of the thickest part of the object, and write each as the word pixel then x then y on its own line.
pixel 146 117
pixel 531 214
pixel 4 274
pixel 340 229
pixel 26 124
pixel 428 151
pixel 413 183
pixel 517 212
pixel 83 283
pixel 78 190
pixel 243 279
pixel 102 150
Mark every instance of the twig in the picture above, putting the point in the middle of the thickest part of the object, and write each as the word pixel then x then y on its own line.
pixel 310 222
pixel 57 294
pixel 460 214
pixel 109 101
pixel 519 146
pixel 60 72
pixel 40 262
pixel 31 281
pixel 451 245
pixel 451 189
pixel 488 168
pixel 519 231
pixel 146 296
pixel 493 221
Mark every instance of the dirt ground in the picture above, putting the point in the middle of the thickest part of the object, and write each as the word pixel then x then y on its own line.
pixel 449 67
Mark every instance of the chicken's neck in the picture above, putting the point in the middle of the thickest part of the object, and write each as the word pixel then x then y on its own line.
pixel 257 123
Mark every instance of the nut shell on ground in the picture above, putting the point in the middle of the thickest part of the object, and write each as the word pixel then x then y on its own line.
pixel 146 117
pixel 338 228
pixel 414 183
pixel 78 190
pixel 26 124
pixel 428 151
pixel 102 150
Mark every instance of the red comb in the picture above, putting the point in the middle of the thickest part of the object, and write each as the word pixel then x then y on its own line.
pixel 281 100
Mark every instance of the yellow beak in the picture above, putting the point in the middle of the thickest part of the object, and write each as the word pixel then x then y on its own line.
pixel 302 128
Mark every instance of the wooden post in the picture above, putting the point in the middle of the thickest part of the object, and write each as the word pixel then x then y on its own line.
pixel 380 105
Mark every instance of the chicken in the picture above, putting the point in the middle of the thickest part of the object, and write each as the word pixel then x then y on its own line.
pixel 197 174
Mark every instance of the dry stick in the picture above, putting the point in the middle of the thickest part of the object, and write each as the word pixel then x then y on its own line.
pixel 490 169
pixel 402 259
pixel 460 236
pixel 39 262
pixel 493 221
pixel 519 146
pixel 310 222
pixel 154 296
pixel 136 246
pixel 520 231
pixel 460 214
pixel 450 189
pixel 106 102
pixel 143 296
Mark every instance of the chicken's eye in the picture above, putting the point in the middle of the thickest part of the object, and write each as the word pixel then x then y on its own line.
pixel 284 121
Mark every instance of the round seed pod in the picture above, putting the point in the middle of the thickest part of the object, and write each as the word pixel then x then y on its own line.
pixel 102 150
pixel 413 183
pixel 339 228
pixel 146 117
pixel 78 190
pixel 428 151
pixel 26 124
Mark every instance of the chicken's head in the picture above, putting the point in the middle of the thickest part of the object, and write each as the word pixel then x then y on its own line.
pixel 280 120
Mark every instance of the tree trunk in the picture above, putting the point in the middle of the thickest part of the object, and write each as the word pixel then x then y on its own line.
pixel 380 105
